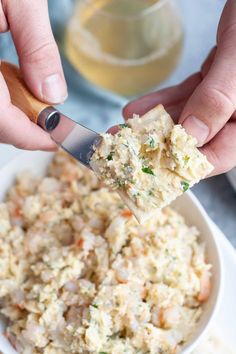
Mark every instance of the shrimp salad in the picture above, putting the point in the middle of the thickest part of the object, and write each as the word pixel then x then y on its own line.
pixel 150 162
pixel 79 274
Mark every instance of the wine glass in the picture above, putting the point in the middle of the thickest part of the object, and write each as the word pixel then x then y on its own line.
pixel 125 46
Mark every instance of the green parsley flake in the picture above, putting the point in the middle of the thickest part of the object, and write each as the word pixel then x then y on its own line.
pixel 95 306
pixel 186 159
pixel 132 181
pixel 135 195
pixel 124 125
pixel 103 353
pixel 148 170
pixel 184 185
pixel 110 156
pixel 151 142
pixel 119 184
pixel 161 351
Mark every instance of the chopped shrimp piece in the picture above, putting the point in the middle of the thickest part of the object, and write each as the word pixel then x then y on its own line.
pixel 156 316
pixel 126 213
pixel 170 317
pixel 121 276
pixel 80 243
pixel 49 216
pixel 205 287
pixel 49 185
pixel 78 223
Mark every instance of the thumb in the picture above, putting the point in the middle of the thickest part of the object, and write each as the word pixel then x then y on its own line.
pixel 38 53
pixel 214 100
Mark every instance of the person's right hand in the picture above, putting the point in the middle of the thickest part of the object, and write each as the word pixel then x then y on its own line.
pixel 205 103
pixel 40 64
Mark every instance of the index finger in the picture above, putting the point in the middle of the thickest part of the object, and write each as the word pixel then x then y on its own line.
pixel 38 53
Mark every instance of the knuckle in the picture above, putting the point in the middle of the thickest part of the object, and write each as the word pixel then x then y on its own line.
pixel 37 55
pixel 22 144
pixel 221 150
pixel 226 32
pixel 219 99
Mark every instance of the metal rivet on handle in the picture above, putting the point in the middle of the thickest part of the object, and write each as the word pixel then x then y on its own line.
pixel 52 121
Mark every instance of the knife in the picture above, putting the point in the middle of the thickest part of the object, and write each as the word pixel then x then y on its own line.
pixel 74 138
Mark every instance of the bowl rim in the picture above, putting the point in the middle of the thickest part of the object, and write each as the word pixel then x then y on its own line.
pixel 192 344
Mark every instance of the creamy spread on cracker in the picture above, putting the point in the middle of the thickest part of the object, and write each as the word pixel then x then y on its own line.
pixel 150 162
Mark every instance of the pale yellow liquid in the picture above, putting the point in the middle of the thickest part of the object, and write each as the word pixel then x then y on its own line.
pixel 122 55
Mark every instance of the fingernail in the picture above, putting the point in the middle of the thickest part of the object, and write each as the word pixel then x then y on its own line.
pixel 54 89
pixel 196 128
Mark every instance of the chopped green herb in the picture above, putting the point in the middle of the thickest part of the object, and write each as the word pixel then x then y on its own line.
pixel 186 159
pixel 95 306
pixel 110 156
pixel 148 170
pixel 182 342
pixel 151 193
pixel 124 125
pixel 103 353
pixel 161 351
pixel 126 145
pixel 136 195
pixel 114 335
pixel 175 156
pixel 184 185
pixel 131 181
pixel 119 183
pixel 151 142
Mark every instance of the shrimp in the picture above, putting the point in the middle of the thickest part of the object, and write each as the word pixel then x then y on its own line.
pixel 122 276
pixel 126 213
pixel 170 317
pixel 205 286
pixel 156 316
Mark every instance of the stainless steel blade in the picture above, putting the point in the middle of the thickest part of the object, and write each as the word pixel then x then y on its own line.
pixel 73 137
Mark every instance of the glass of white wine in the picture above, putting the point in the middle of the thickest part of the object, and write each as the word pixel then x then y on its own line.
pixel 125 46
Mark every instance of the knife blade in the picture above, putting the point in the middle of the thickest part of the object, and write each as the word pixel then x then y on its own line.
pixel 76 139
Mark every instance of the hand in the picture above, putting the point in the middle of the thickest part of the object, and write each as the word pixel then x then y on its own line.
pixel 40 63
pixel 206 102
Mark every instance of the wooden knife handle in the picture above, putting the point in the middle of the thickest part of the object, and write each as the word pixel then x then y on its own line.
pixel 20 94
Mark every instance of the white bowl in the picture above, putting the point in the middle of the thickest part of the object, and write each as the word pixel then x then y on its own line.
pixel 187 205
